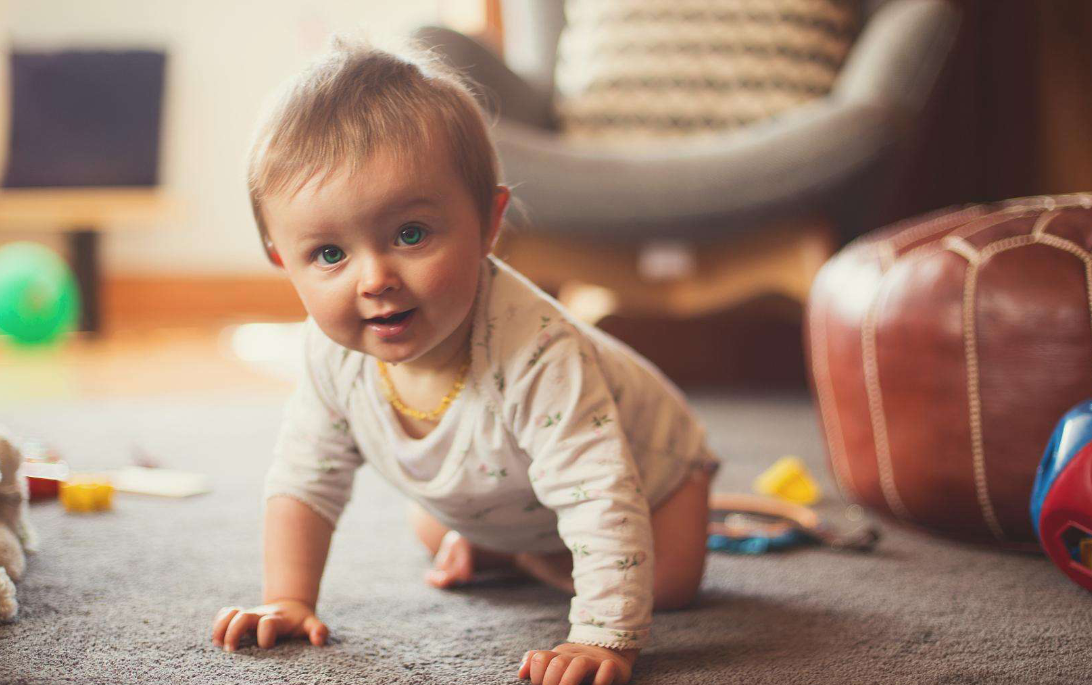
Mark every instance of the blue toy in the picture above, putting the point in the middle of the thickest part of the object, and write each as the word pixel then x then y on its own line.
pixel 1061 499
pixel 756 524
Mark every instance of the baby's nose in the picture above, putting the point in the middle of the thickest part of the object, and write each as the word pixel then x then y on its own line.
pixel 376 277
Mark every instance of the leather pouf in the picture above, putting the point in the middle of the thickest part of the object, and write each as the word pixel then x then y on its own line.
pixel 942 352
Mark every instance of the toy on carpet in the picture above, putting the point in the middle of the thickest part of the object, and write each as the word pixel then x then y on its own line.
pixel 43 468
pixel 1061 499
pixel 86 492
pixel 788 479
pixel 755 524
pixel 48 476
pixel 17 536
pixel 44 478
pixel 39 299
pixel 162 482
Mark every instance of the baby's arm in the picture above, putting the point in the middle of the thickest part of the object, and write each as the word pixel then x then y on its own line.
pixel 560 407
pixel 297 541
pixel 306 489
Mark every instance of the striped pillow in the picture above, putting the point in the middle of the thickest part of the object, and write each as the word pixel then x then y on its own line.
pixel 651 69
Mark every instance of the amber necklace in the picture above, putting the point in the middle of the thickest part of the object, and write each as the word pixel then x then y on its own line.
pixel 435 414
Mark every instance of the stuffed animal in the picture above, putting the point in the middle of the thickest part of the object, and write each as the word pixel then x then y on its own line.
pixel 17 537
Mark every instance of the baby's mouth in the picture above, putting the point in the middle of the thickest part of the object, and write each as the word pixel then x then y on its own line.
pixel 392 319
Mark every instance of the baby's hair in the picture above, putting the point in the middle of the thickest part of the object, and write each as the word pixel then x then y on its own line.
pixel 357 100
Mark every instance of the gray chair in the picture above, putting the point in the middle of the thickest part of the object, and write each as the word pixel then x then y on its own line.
pixel 688 228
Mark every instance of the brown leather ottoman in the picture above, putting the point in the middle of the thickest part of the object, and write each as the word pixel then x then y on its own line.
pixel 942 351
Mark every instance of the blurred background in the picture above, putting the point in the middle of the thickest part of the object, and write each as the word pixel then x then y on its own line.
pixel 124 124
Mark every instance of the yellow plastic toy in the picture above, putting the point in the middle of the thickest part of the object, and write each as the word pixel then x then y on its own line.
pixel 86 493
pixel 789 480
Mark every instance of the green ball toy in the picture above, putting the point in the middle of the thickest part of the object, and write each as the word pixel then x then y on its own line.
pixel 39 298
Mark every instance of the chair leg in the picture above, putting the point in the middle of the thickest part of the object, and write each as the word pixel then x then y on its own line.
pixel 84 245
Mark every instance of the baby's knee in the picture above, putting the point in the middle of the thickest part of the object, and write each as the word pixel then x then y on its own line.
pixel 430 531
pixel 676 582
pixel 672 596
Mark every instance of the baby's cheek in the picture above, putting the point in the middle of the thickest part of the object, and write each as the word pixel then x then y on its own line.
pixel 451 284
pixel 317 307
pixel 328 315
pixel 436 283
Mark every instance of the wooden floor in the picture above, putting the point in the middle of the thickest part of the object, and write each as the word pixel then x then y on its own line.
pixel 130 363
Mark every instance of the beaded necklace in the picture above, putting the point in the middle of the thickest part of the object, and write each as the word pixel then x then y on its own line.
pixel 435 414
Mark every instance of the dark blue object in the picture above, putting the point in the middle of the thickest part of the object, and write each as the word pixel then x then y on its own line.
pixel 85 118
pixel 1073 432
pixel 758 544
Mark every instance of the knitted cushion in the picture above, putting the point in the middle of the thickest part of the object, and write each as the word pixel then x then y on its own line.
pixel 943 351
pixel 640 69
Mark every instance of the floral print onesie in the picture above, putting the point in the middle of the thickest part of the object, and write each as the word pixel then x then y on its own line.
pixel 563 438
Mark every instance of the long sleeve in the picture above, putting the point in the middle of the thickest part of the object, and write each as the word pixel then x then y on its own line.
pixel 560 408
pixel 315 457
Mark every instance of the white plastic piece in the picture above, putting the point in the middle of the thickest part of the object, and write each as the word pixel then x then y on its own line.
pixel 665 260
pixel 163 482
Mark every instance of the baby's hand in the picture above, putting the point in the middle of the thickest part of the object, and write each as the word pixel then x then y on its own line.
pixel 570 664
pixel 288 617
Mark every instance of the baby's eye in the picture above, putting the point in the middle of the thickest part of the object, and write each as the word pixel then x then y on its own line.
pixel 330 254
pixel 411 235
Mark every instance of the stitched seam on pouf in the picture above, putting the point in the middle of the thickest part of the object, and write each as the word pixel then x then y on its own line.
pixel 828 407
pixel 875 411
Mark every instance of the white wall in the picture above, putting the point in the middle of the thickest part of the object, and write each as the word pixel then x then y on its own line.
pixel 224 57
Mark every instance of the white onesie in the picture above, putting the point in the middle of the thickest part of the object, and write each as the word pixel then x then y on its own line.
pixel 563 438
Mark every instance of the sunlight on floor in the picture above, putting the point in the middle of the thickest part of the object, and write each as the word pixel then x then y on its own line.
pixel 274 348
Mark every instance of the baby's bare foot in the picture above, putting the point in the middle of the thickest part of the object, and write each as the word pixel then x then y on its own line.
pixel 453 563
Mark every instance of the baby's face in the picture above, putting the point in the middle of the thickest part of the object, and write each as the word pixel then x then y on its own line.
pixel 392 238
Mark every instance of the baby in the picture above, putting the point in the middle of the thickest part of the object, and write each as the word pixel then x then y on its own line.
pixel 523 438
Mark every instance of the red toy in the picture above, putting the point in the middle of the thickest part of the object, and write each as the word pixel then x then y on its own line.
pixel 1066 525
pixel 1061 502
pixel 44 477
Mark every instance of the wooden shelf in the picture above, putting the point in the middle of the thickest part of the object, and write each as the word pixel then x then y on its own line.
pixel 102 209
pixel 81 214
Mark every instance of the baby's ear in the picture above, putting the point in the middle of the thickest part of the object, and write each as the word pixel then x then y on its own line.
pixel 271 252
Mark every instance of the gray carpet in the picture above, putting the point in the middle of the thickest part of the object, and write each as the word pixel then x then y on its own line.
pixel 128 596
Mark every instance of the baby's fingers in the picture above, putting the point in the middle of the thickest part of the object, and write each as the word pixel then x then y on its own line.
pixel 578 668
pixel 220 623
pixel 539 662
pixel 315 630
pixel 557 669
pixel 243 623
pixel 608 671
pixel 269 626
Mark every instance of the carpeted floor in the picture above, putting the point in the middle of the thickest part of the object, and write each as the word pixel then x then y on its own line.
pixel 128 596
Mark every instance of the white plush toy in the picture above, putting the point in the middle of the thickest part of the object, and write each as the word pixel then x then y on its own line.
pixel 17 537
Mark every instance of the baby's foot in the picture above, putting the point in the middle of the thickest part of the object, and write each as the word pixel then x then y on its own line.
pixel 453 563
